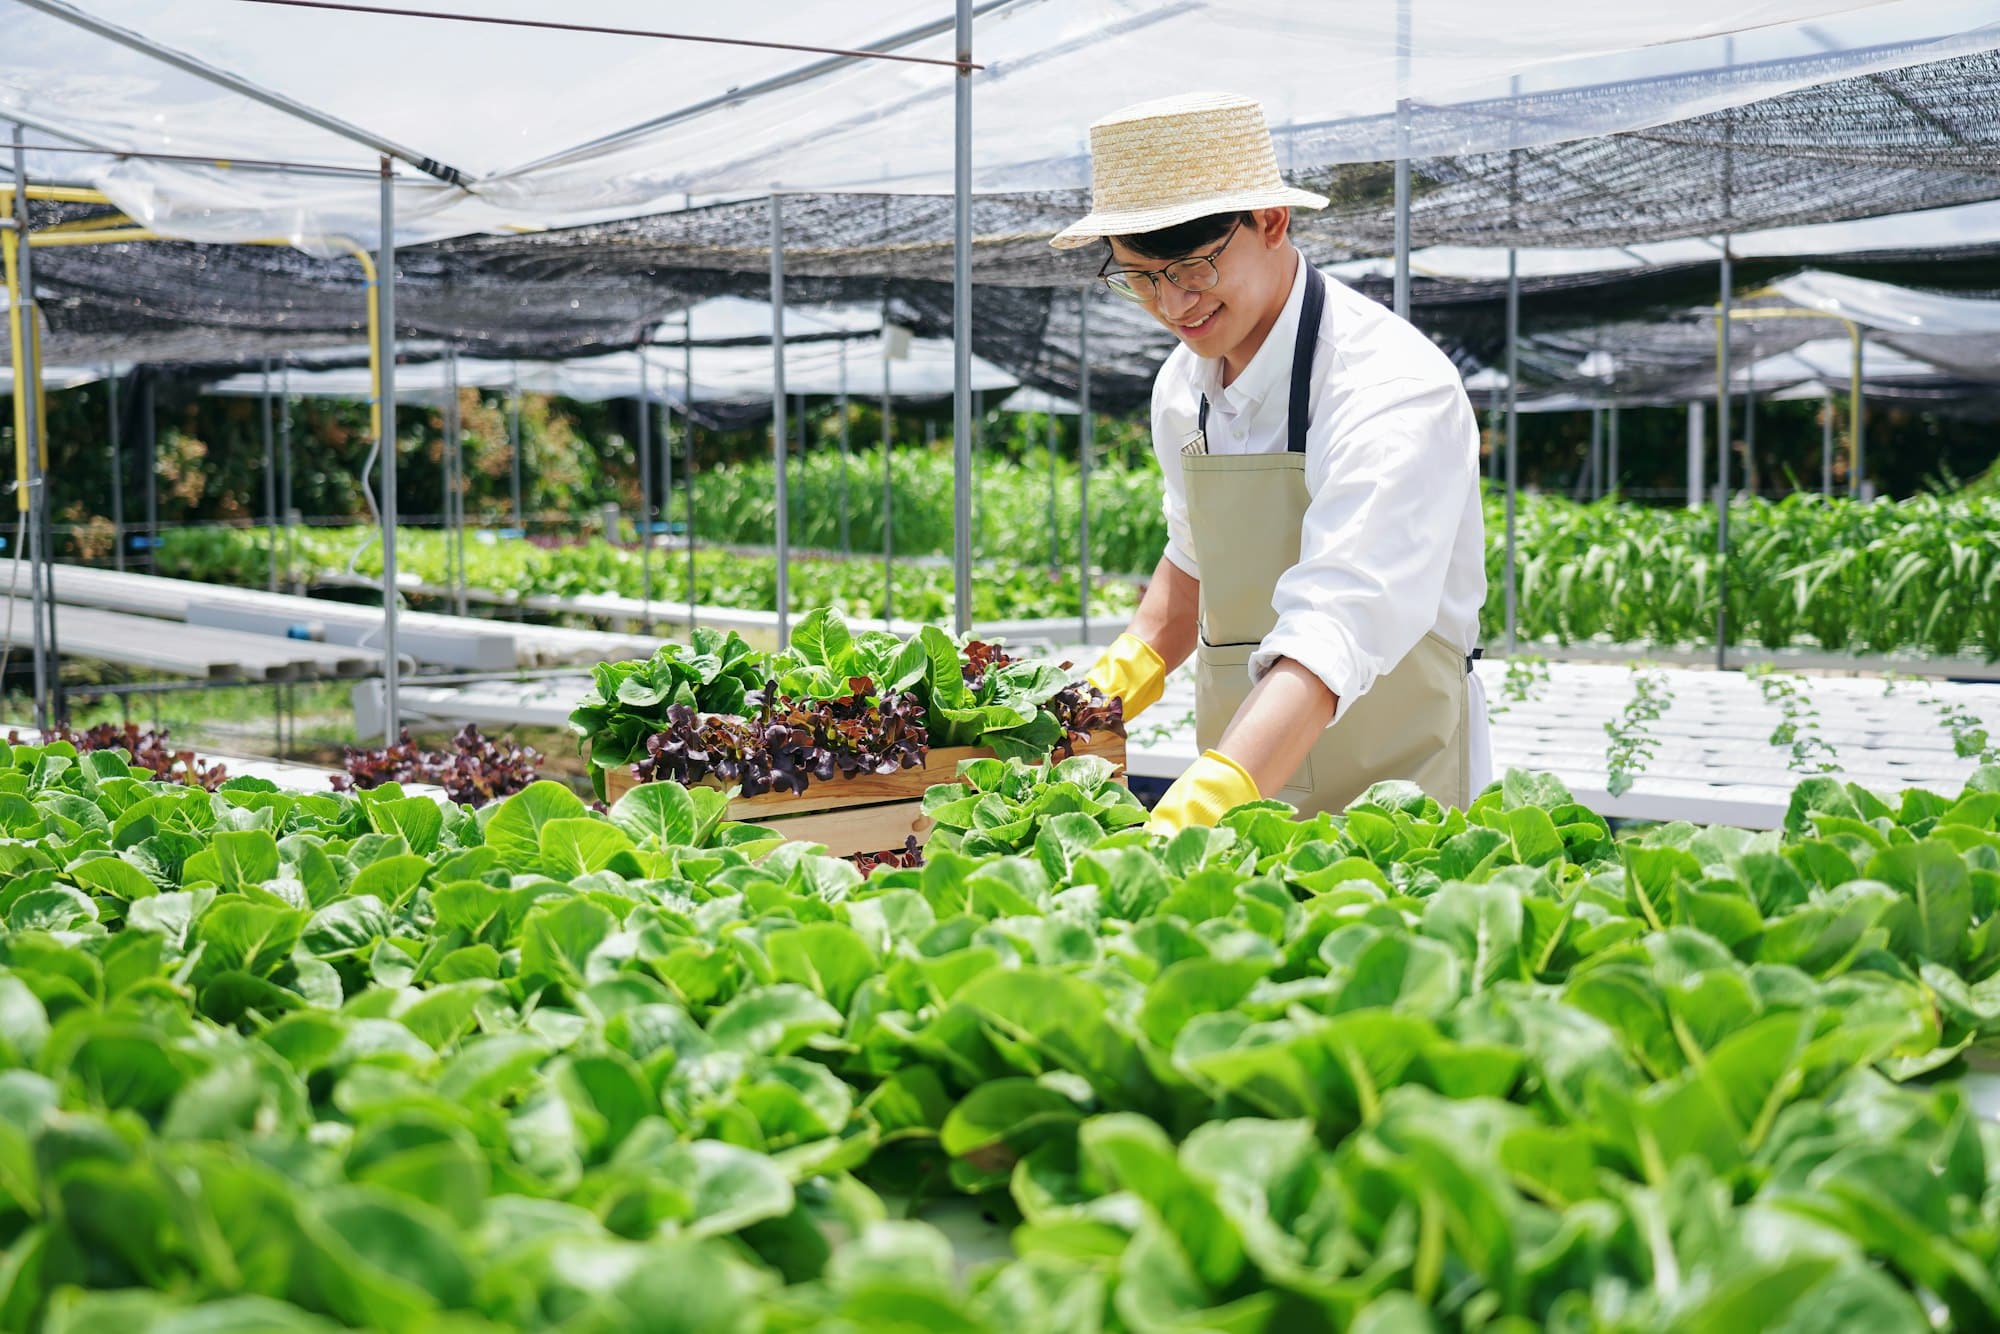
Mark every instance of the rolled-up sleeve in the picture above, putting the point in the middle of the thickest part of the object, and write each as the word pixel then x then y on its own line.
pixel 1390 481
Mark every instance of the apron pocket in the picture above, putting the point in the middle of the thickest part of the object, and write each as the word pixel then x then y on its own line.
pixel 1222 683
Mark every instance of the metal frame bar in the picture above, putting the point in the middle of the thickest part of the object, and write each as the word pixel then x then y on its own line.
pixel 117 468
pixel 735 96
pixel 1400 292
pixel 888 480
pixel 1086 428
pixel 687 469
pixel 1512 573
pixel 782 514
pixel 385 435
pixel 208 73
pixel 30 448
pixel 270 474
pixel 643 528
pixel 846 534
pixel 961 326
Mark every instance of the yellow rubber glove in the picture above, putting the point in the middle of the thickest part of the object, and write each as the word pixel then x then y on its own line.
pixel 1213 786
pixel 1131 671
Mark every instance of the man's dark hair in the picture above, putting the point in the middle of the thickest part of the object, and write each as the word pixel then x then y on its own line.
pixel 1185 238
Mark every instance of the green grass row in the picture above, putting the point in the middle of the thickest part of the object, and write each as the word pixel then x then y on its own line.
pixel 1912 576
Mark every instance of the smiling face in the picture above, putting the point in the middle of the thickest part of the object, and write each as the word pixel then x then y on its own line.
pixel 1230 320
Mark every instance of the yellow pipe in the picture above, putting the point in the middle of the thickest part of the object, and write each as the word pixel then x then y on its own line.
pixel 1803 313
pixel 95 222
pixel 10 260
pixel 121 235
pixel 42 240
pixel 41 398
pixel 56 194
pixel 367 262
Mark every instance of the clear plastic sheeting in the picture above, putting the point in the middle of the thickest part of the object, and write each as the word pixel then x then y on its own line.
pixel 1830 361
pixel 1886 306
pixel 1959 334
pixel 1961 227
pixel 54 378
pixel 538 128
pixel 1034 400
pixel 730 319
pixel 736 378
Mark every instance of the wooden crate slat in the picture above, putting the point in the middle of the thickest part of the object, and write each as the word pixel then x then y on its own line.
pixel 882 828
pixel 869 790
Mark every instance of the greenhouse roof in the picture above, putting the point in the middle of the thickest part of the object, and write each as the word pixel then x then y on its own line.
pixel 553 128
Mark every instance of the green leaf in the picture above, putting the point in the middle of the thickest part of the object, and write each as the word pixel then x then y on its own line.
pixel 828 957
pixel 417 819
pixel 657 815
pixel 1001 1122
pixel 1932 920
pixel 515 829
pixel 773 1020
pixel 580 846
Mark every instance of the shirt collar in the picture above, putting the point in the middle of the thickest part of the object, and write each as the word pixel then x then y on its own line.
pixel 1270 364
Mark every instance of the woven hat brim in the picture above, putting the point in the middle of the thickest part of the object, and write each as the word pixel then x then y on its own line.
pixel 1132 221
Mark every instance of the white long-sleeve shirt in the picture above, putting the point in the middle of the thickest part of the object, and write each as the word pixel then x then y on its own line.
pixel 1393 544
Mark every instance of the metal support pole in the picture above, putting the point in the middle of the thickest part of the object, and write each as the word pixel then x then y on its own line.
pixel 1594 474
pixel 1611 445
pixel 1697 455
pixel 454 452
pixel 285 510
pixel 1085 430
pixel 846 537
pixel 888 493
pixel 27 422
pixel 778 421
pixel 643 521
pixel 1401 294
pixel 687 464
pixel 1750 426
pixel 270 475
pixel 1496 427
pixel 514 449
pixel 1722 422
pixel 385 370
pixel 978 538
pixel 663 425
pixel 1860 470
pixel 1511 577
pixel 961 326
pixel 1055 552
pixel 150 442
pixel 1826 446
pixel 117 471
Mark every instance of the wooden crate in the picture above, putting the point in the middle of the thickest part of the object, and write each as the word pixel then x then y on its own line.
pixel 869 812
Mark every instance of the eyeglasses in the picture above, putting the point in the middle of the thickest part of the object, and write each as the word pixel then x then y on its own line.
pixel 1196 273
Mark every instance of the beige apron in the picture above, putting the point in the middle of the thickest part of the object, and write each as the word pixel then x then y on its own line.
pixel 1247 512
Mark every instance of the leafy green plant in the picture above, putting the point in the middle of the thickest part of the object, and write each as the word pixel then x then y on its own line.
pixel 713 707
pixel 1631 743
pixel 628 701
pixel 505 570
pixel 316 1061
pixel 1799 730
pixel 1005 808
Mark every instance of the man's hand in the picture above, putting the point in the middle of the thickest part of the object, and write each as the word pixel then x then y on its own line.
pixel 1131 671
pixel 1213 786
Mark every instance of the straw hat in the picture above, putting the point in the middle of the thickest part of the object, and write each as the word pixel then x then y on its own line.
pixel 1162 163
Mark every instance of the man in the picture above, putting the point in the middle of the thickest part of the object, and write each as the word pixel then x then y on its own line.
pixel 1325 558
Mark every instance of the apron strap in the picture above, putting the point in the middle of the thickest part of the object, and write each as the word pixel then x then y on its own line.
pixel 1299 414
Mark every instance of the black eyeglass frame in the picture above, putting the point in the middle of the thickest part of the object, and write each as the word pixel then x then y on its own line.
pixel 1106 273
